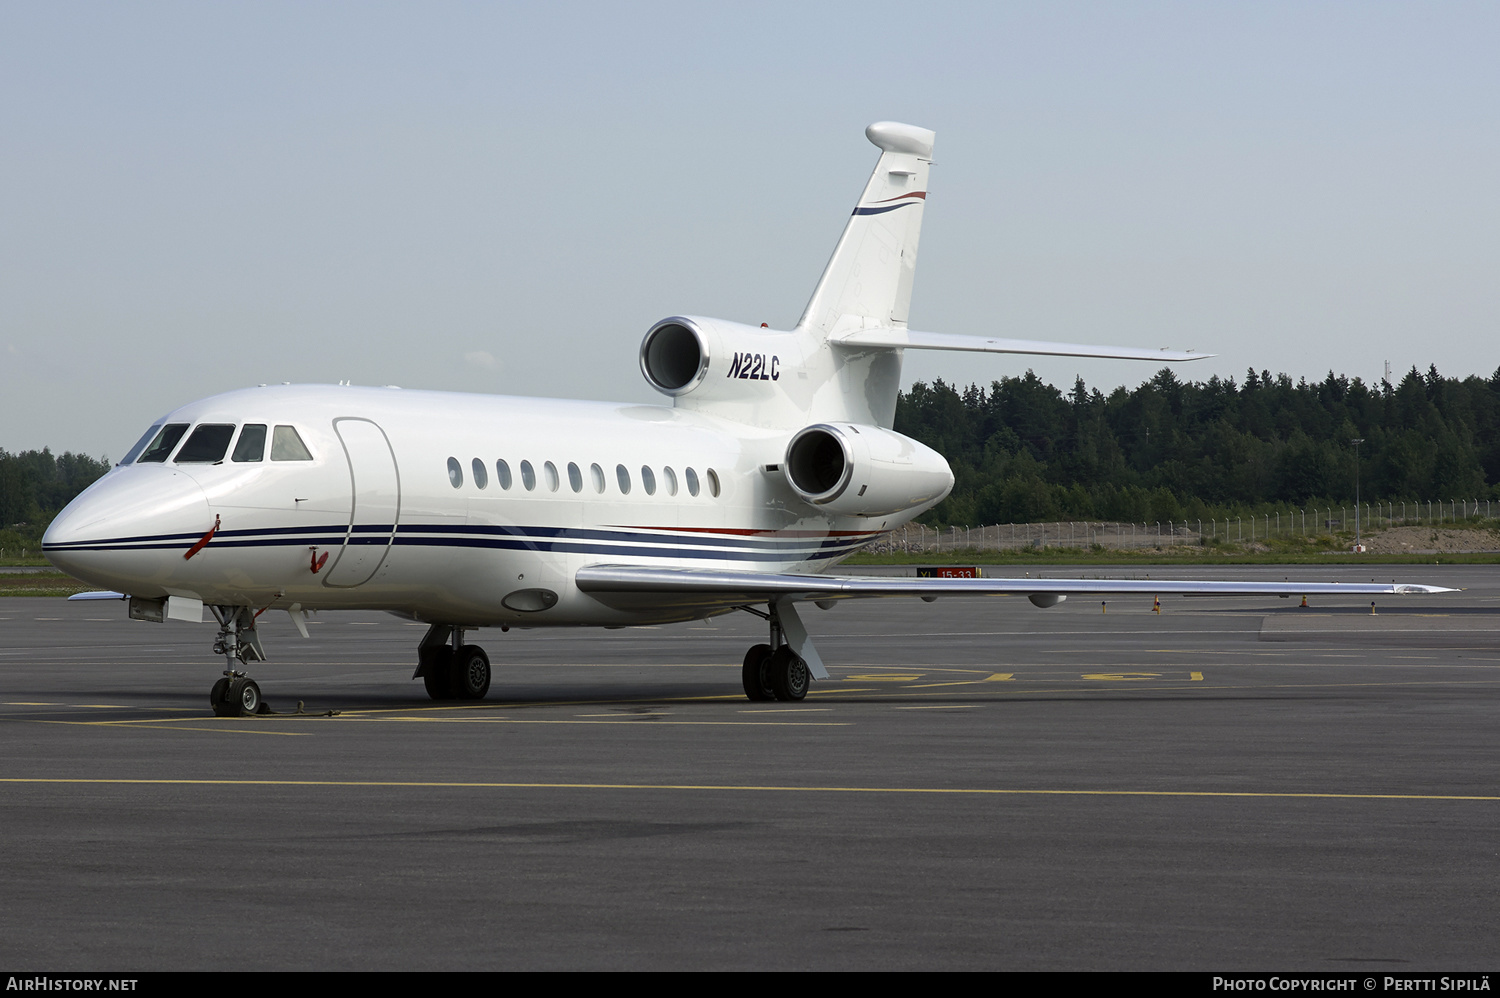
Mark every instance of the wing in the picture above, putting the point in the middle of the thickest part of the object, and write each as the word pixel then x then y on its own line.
pixel 630 587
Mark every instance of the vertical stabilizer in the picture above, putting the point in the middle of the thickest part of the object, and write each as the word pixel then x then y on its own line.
pixel 867 283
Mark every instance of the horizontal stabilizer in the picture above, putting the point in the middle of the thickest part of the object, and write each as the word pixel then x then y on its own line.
pixel 908 339
pixel 632 587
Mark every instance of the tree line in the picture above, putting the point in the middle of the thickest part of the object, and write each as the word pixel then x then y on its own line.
pixel 34 487
pixel 1023 451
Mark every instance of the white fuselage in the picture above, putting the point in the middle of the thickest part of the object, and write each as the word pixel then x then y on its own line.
pixel 379 500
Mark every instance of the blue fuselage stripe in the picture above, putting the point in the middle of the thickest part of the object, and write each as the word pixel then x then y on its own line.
pixel 564 540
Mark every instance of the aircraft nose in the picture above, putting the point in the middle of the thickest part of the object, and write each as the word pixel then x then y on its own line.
pixel 115 532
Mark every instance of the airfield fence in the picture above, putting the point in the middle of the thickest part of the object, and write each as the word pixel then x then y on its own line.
pixel 1087 534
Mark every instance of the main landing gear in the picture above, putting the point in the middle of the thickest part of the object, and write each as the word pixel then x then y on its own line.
pixel 774 671
pixel 236 695
pixel 450 669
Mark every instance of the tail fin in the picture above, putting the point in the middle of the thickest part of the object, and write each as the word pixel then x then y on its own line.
pixel 867 282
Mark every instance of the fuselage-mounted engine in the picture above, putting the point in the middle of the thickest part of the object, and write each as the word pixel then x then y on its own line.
pixel 740 372
pixel 854 470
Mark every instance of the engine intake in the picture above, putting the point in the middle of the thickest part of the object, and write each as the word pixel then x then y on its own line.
pixel 818 464
pixel 674 357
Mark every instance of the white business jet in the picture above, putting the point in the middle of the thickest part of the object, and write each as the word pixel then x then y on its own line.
pixel 775 460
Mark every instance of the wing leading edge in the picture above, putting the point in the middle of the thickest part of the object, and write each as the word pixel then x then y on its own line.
pixel 632 587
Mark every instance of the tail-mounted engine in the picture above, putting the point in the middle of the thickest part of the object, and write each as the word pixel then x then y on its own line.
pixel 675 356
pixel 856 470
pixel 697 360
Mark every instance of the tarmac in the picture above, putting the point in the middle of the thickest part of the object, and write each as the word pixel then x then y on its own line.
pixel 1228 785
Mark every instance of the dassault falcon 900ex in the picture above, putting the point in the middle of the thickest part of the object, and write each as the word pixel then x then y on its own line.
pixel 775 460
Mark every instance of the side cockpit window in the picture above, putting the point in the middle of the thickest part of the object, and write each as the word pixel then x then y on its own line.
pixel 161 445
pixel 286 445
pixel 251 445
pixel 208 444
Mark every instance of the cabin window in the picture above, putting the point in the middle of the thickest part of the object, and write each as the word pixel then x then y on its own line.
pixel 502 474
pixel 622 473
pixel 251 446
pixel 575 477
pixel 692 481
pixel 481 474
pixel 597 474
pixel 671 479
pixel 648 480
pixel 140 444
pixel 713 483
pixel 208 444
pixel 163 444
pixel 528 475
pixel 552 479
pixel 286 445
pixel 455 472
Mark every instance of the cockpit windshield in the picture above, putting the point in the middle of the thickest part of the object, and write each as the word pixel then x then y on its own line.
pixel 209 442
pixel 140 444
pixel 207 445
pixel 162 444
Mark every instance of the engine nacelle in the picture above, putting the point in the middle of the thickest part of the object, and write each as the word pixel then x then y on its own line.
pixel 856 470
pixel 694 360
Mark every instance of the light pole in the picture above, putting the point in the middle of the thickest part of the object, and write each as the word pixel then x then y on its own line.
pixel 1356 441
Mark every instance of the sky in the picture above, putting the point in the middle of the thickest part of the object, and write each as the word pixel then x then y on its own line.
pixel 503 198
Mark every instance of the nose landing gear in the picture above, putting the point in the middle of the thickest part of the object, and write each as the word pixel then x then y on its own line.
pixel 236 695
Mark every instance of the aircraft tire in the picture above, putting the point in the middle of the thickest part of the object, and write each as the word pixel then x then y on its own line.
pixel 243 698
pixel 753 674
pixel 437 674
pixel 470 671
pixel 789 677
pixel 217 696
